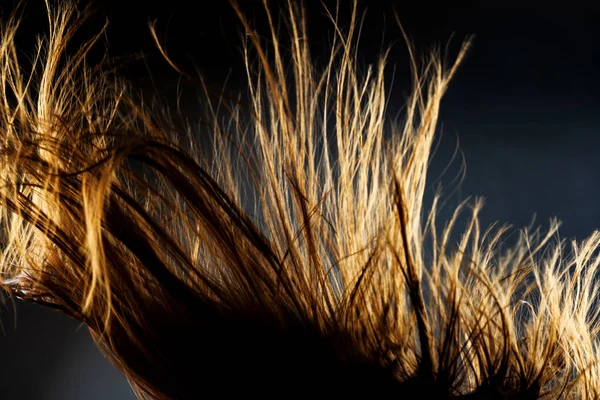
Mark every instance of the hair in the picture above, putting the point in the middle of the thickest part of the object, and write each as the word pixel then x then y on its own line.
pixel 285 248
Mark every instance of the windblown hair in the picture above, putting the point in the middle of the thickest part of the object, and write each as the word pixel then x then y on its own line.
pixel 283 250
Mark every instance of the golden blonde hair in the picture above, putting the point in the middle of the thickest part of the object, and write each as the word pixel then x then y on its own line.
pixel 288 251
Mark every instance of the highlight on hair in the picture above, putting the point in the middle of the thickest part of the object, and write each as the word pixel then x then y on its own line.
pixel 284 249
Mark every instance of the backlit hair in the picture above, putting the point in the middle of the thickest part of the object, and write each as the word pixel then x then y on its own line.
pixel 283 250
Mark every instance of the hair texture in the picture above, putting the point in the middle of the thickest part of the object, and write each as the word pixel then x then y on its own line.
pixel 281 247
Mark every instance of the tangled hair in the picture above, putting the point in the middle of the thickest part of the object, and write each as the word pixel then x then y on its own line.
pixel 283 249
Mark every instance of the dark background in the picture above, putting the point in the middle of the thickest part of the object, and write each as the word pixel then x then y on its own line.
pixel 524 109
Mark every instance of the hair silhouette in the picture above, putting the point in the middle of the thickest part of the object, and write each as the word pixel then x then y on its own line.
pixel 285 249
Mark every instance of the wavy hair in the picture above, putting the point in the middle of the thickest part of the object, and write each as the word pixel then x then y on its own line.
pixel 285 249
